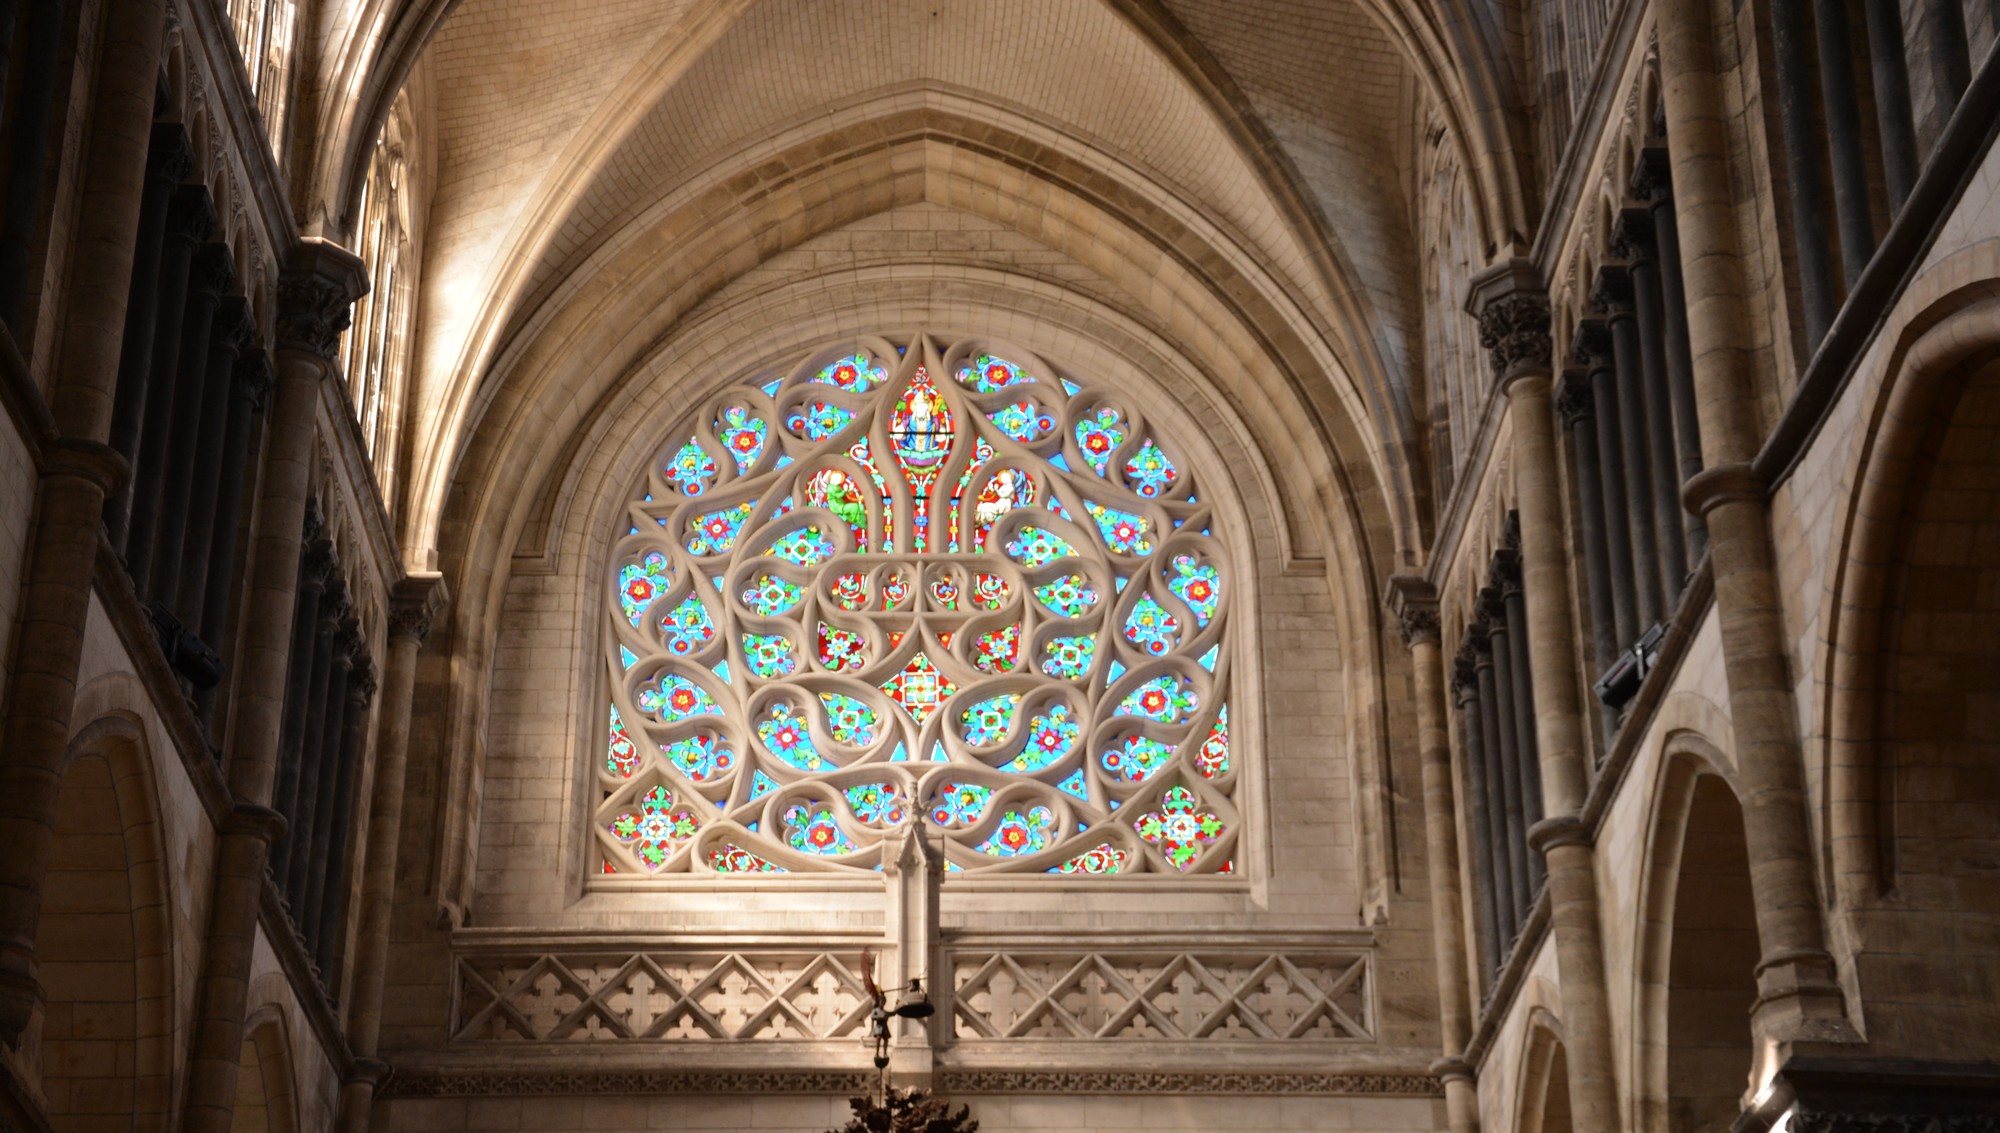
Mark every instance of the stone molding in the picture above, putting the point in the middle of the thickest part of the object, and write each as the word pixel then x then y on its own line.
pixel 836 1082
pixel 1725 483
pixel 1414 602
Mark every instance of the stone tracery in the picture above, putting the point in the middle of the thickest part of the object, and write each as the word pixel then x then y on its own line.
pixel 918 584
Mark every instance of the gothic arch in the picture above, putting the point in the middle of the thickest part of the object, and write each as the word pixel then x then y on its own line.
pixel 106 934
pixel 266 1096
pixel 1908 667
pixel 1541 1096
pixel 1694 972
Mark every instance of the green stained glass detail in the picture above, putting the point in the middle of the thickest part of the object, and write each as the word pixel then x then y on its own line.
pixel 1035 547
pixel 985 722
pixel 848 720
pixel 769 655
pixel 1167 698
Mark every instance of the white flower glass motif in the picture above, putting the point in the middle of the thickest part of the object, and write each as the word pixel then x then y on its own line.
pixel 905 583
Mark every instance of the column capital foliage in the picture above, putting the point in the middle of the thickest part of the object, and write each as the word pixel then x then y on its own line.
pixel 1590 346
pixel 1505 571
pixel 1492 606
pixel 320 562
pixel 1652 175
pixel 361 684
pixel 214 268
pixel 170 157
pixel 1413 600
pixel 192 216
pixel 235 325
pixel 1611 294
pixel 1574 405
pixel 1512 307
pixel 254 378
pixel 1464 677
pixel 316 294
pixel 1632 235
pixel 415 605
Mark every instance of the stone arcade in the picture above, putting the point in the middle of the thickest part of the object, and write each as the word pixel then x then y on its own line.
pixel 1264 565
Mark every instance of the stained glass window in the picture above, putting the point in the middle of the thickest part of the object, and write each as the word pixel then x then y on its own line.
pixel 952 586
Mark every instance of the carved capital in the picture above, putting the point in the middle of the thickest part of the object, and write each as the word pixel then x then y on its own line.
pixel 1479 640
pixel 361 684
pixel 315 521
pixel 1632 236
pixel 347 641
pixel 1492 607
pixel 191 217
pixel 1590 346
pixel 233 328
pixel 415 604
pixel 334 605
pixel 316 294
pixel 214 269
pixel 170 158
pixel 1611 294
pixel 1512 307
pixel 1574 404
pixel 316 563
pixel 1653 175
pixel 254 378
pixel 1727 483
pixel 1413 600
pixel 1464 678
pixel 1505 573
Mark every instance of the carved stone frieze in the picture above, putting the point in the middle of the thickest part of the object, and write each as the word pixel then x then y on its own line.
pixel 405 1084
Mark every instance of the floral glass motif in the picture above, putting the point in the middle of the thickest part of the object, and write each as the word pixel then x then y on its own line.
pixel 818 419
pixel 691 471
pixel 985 373
pixel 1182 828
pixel 687 628
pixel 917 585
pixel 1101 858
pixel 857 373
pixel 743 433
pixel 621 756
pixel 1150 472
pixel 656 829
pixel 641 582
pixel 1151 627
pixel 1068 657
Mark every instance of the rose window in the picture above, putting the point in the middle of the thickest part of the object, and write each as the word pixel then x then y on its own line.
pixel 899 585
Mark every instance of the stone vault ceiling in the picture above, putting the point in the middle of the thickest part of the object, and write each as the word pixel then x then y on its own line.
pixel 560 124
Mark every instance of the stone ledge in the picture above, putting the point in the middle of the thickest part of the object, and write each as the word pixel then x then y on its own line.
pixel 840 1082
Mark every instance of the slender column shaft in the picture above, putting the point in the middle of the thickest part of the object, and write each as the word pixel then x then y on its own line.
pixel 41 52
pixel 76 475
pixel 1507 888
pixel 1894 120
pixel 190 219
pixel 1839 93
pixel 329 895
pixel 9 13
pixel 1949 51
pixel 249 389
pixel 213 273
pixel 1592 350
pixel 1635 242
pixel 295 849
pixel 1805 158
pixel 1488 885
pixel 1524 718
pixel 1573 404
pixel 411 609
pixel 1653 181
pixel 315 570
pixel 170 159
pixel 1798 993
pixel 232 332
pixel 1514 326
pixel 1614 294
pixel 309 863
pixel 1505 680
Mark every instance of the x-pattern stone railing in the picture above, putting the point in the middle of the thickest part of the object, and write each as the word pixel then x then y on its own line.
pixel 1177 995
pixel 699 996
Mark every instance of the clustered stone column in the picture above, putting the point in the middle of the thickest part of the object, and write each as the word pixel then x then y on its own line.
pixel 315 291
pixel 189 386
pixel 1823 138
pixel 1496 702
pixel 1513 317
pixel 35 58
pixel 76 472
pixel 416 603
pixel 1414 601
pixel 1798 996
pixel 1577 409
